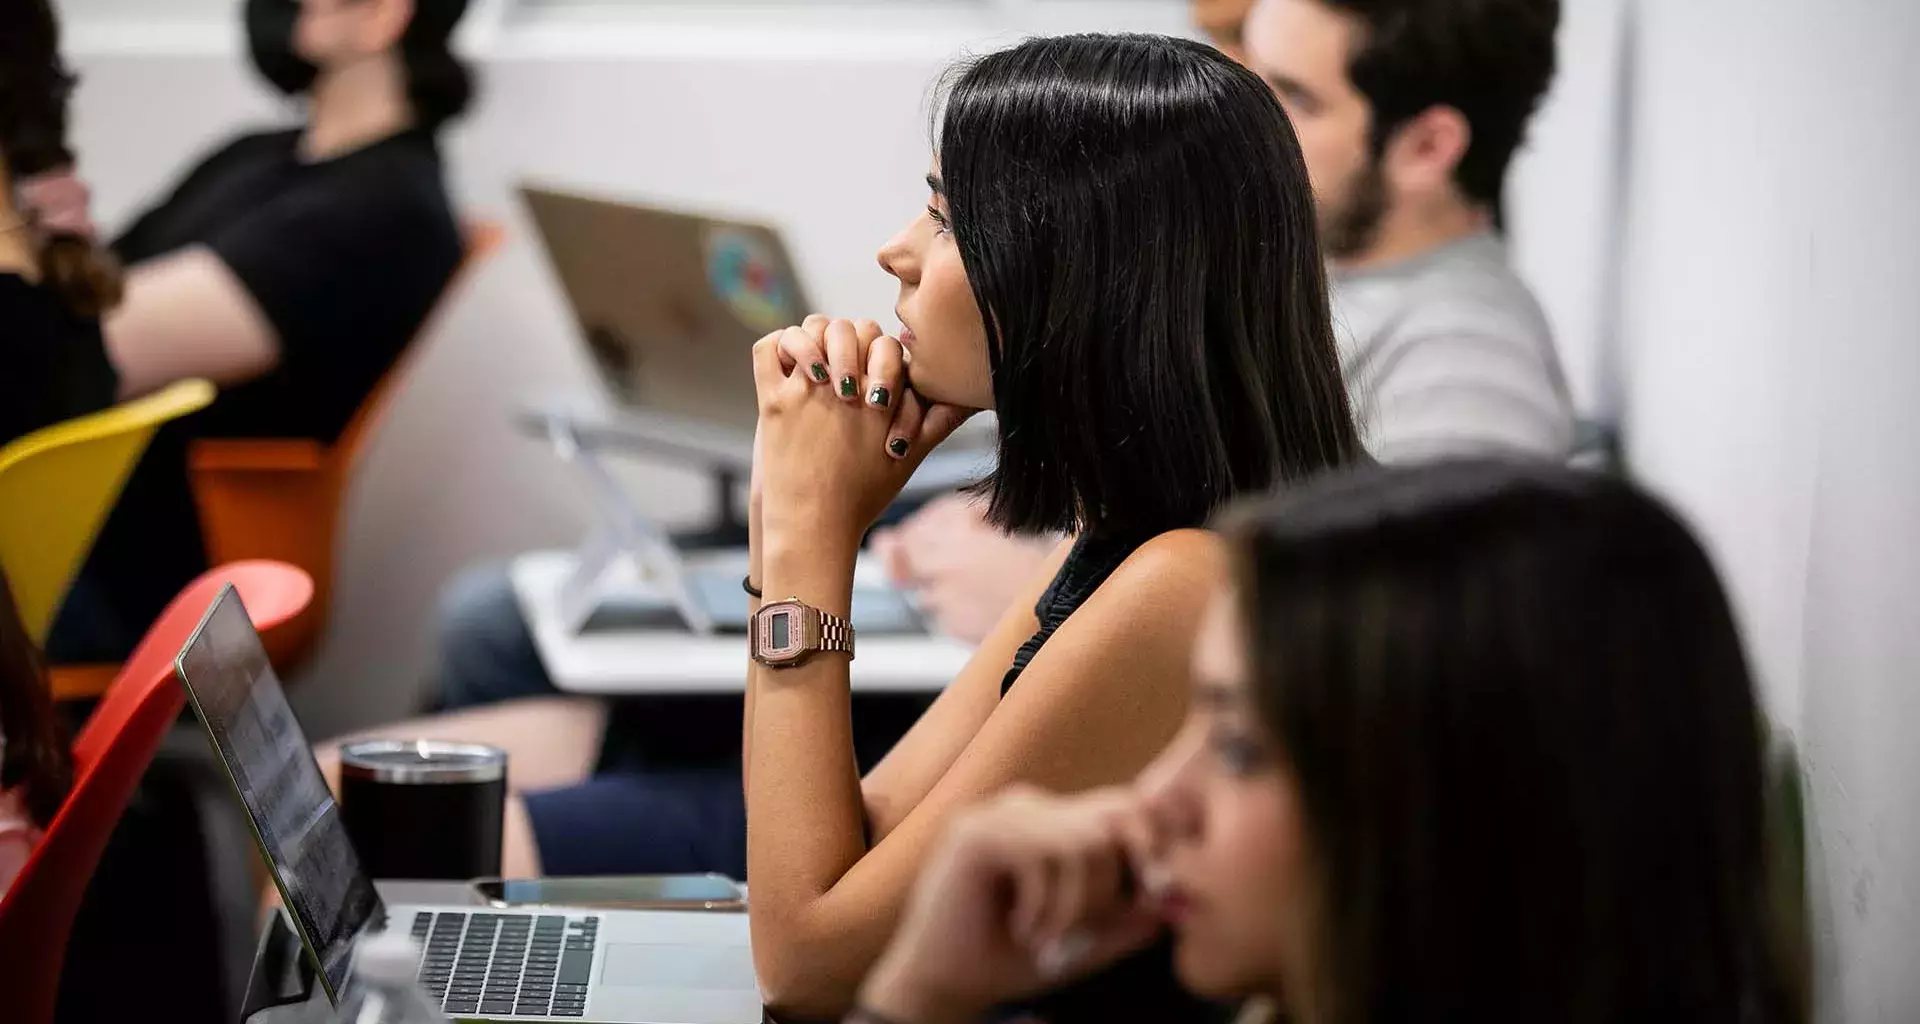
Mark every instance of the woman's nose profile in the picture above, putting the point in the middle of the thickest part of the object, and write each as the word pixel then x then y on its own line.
pixel 894 259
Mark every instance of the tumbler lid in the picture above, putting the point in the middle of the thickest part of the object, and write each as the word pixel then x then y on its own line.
pixel 422 762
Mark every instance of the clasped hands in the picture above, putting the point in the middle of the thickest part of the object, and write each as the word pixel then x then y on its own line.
pixel 840 431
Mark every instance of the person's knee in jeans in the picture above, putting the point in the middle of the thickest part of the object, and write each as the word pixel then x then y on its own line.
pixel 487 653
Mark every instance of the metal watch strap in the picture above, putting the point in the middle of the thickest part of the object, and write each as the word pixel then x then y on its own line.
pixel 835 634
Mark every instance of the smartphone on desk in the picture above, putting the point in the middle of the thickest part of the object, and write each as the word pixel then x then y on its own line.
pixel 616 892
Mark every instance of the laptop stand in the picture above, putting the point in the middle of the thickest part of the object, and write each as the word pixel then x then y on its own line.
pixel 624 543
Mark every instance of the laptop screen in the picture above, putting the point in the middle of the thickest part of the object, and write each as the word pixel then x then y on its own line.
pixel 238 697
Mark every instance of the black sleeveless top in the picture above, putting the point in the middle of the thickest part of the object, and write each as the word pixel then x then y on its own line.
pixel 1088 565
pixel 1141 987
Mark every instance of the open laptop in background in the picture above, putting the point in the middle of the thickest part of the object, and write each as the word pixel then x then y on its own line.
pixel 540 964
pixel 671 303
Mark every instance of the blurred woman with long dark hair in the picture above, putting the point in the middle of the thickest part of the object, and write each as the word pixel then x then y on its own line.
pixel 36 768
pixel 55 282
pixel 1469 742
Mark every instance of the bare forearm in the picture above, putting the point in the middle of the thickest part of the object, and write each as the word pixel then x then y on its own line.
pixel 804 808
pixel 803 787
pixel 893 994
pixel 186 315
pixel 895 999
pixel 755 577
pixel 746 718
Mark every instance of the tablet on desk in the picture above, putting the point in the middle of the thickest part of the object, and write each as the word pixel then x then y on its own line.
pixel 877 610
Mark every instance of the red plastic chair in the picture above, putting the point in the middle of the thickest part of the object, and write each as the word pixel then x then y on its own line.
pixel 109 756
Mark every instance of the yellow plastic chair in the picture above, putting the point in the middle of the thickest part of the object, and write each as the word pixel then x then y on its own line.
pixel 57 485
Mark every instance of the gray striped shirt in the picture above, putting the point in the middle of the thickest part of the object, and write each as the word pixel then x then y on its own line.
pixel 1447 353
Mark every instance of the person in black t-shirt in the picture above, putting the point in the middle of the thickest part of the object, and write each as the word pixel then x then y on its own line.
pixel 290 267
pixel 54 282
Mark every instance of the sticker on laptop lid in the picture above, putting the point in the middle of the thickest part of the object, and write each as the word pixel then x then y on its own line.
pixel 745 273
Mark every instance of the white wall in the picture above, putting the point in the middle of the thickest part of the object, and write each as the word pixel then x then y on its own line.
pixel 1719 412
pixel 1861 675
pixel 1561 199
pixel 1773 350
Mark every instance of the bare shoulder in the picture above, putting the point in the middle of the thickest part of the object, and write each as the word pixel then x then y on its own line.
pixel 1167 580
pixel 1178 563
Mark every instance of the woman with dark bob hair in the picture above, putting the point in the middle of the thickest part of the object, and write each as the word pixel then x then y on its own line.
pixel 1469 742
pixel 1118 256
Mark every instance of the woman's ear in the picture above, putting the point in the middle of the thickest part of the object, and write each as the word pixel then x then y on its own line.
pixel 1422 155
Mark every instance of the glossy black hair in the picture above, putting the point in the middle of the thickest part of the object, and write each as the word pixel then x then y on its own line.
pixel 1530 759
pixel 1135 220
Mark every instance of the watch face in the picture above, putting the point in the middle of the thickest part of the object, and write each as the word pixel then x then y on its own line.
pixel 778 632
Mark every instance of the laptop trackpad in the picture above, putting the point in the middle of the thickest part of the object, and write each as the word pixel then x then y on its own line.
pixel 641 965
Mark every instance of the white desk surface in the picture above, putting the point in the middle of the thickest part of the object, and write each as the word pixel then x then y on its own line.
pixel 672 661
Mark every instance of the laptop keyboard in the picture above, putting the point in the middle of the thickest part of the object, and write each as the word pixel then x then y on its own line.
pixel 507 965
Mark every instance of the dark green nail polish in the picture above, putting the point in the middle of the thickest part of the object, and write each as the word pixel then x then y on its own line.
pixel 898 446
pixel 879 397
pixel 819 372
pixel 848 387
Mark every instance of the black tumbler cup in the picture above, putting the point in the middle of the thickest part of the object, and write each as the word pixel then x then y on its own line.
pixel 424 809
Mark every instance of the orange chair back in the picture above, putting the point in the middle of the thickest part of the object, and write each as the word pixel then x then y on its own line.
pixel 282 499
pixel 109 756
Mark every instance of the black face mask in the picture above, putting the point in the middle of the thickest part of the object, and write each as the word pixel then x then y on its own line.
pixel 270 39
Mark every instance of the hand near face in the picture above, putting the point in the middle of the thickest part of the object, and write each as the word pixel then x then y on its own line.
pixel 1026 893
pixel 57 202
pixel 840 431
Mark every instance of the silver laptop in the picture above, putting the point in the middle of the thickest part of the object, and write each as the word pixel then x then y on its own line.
pixel 481 964
pixel 670 303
